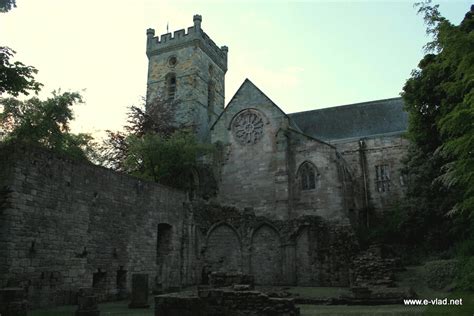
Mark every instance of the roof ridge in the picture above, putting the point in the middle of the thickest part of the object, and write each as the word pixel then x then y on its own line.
pixel 348 105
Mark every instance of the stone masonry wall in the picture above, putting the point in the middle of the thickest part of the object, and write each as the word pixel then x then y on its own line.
pixel 67 224
pixel 262 174
pixel 194 69
pixel 306 251
pixel 363 158
pixel 332 196
pixel 248 171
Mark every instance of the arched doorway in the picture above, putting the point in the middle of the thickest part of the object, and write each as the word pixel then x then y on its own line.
pixel 266 256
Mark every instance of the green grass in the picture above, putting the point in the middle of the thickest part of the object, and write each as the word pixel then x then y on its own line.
pixel 467 307
pixel 111 308
pixel 345 310
pixel 319 292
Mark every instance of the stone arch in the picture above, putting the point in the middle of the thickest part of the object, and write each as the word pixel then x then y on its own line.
pixel 303 266
pixel 307 176
pixel 223 249
pixel 265 258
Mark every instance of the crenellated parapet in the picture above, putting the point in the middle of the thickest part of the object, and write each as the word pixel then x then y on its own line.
pixel 194 36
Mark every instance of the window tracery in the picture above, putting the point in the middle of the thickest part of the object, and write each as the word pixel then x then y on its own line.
pixel 307 175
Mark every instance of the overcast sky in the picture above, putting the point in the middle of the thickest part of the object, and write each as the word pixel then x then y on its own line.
pixel 303 54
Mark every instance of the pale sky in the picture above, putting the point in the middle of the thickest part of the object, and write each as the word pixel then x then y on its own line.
pixel 303 54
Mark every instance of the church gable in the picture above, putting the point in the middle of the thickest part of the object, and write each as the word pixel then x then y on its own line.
pixel 251 99
pixel 249 95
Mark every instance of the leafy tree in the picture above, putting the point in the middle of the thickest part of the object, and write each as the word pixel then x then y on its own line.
pixel 440 100
pixel 45 123
pixel 16 78
pixel 153 148
pixel 7 5
pixel 168 160
pixel 439 97
pixel 157 119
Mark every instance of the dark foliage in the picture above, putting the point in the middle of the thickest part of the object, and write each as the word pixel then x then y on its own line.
pixel 153 148
pixel 16 78
pixel 7 5
pixel 45 123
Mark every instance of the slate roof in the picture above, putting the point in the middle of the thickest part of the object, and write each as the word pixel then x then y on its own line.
pixel 353 120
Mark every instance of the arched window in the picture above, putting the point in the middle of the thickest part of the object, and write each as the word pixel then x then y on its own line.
pixel 307 175
pixel 171 86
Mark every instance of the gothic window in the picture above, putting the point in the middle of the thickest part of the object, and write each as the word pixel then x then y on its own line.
pixel 382 178
pixel 248 127
pixel 171 86
pixel 307 175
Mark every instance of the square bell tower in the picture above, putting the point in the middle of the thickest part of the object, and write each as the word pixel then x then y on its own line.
pixel 186 72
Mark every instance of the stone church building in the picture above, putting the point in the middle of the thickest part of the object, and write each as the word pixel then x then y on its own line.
pixel 281 200
pixel 327 162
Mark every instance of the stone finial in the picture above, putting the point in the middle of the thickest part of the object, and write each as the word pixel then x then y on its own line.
pixel 150 32
pixel 197 18
pixel 225 49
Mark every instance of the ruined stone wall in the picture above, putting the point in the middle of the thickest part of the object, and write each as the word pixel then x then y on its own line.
pixel 306 251
pixel 67 224
pixel 363 159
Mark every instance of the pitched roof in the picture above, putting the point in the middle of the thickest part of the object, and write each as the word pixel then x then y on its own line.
pixel 249 84
pixel 353 120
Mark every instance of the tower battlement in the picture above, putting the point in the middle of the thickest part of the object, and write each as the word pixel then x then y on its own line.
pixel 194 35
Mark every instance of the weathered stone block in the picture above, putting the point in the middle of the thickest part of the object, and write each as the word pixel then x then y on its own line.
pixel 13 302
pixel 139 291
pixel 87 303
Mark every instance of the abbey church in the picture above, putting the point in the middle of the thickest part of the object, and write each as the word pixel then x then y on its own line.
pixel 282 200
pixel 330 162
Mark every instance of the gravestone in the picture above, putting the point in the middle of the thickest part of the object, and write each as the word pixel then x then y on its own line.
pixel 13 302
pixel 87 303
pixel 139 291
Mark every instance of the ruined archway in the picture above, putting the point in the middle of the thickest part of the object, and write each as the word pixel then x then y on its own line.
pixel 265 262
pixel 223 249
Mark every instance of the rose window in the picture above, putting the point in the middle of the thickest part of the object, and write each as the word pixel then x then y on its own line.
pixel 248 127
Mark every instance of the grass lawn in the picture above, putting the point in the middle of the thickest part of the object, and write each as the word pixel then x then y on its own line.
pixel 319 292
pixel 467 309
pixel 112 308
pixel 343 310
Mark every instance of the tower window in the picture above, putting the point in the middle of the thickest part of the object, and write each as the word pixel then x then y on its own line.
pixel 172 61
pixel 210 95
pixel 382 178
pixel 171 86
pixel 307 174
